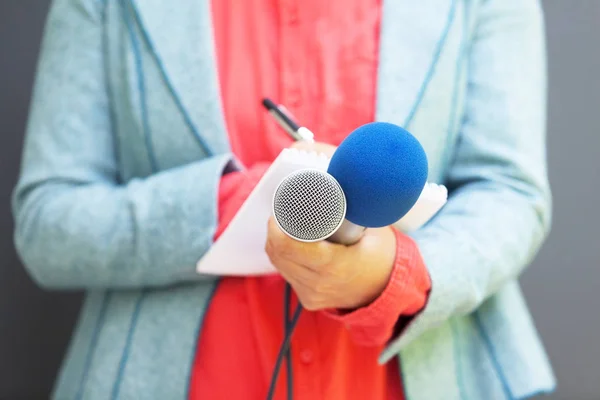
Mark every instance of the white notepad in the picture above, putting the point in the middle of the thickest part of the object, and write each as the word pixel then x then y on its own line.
pixel 240 248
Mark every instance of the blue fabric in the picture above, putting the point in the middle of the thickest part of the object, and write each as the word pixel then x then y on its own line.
pixel 126 144
pixel 382 169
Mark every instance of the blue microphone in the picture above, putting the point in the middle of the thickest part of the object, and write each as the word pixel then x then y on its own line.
pixel 382 170
pixel 374 178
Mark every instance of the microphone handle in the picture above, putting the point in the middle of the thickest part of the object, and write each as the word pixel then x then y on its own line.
pixel 347 234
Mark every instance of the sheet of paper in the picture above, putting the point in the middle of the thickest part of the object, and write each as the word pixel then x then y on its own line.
pixel 240 248
pixel 239 251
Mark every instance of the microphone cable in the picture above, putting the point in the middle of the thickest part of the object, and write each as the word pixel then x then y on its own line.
pixel 288 352
pixel 284 350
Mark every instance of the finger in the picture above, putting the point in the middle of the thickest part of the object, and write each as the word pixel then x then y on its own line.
pixel 288 267
pixel 299 287
pixel 311 303
pixel 311 288
pixel 313 255
pixel 295 271
pixel 308 297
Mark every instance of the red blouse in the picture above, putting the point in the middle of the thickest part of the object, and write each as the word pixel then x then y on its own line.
pixel 319 58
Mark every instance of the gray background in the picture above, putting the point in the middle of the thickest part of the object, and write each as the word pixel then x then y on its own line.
pixel 560 286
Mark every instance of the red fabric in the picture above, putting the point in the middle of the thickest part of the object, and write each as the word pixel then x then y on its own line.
pixel 320 60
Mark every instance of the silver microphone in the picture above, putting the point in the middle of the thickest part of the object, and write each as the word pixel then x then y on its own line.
pixel 309 205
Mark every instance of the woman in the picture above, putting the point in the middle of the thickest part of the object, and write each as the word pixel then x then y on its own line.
pixel 142 110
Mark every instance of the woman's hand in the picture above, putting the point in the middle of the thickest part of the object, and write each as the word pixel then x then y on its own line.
pixel 326 275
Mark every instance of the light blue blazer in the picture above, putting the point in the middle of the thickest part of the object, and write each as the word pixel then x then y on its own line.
pixel 126 144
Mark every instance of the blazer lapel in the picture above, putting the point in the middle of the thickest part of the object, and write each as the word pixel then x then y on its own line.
pixel 180 35
pixel 413 35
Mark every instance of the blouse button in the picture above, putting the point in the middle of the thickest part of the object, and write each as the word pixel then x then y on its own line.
pixel 306 356
pixel 295 98
pixel 293 16
pixel 292 13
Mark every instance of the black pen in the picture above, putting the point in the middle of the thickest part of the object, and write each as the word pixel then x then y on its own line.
pixel 284 120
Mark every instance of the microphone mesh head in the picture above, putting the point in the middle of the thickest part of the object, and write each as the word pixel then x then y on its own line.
pixel 309 205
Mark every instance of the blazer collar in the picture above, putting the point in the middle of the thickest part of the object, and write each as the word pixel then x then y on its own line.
pixel 413 35
pixel 180 34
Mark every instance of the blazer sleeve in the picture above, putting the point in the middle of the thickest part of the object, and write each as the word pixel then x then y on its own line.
pixel 77 226
pixel 499 210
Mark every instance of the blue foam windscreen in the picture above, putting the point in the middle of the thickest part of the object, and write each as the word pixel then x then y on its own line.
pixel 382 170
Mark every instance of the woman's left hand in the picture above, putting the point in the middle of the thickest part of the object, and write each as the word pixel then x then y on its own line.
pixel 326 275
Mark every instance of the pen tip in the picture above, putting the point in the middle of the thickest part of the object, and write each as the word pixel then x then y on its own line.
pixel 268 104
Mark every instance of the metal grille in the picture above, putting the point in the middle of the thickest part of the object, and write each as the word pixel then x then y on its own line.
pixel 309 205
